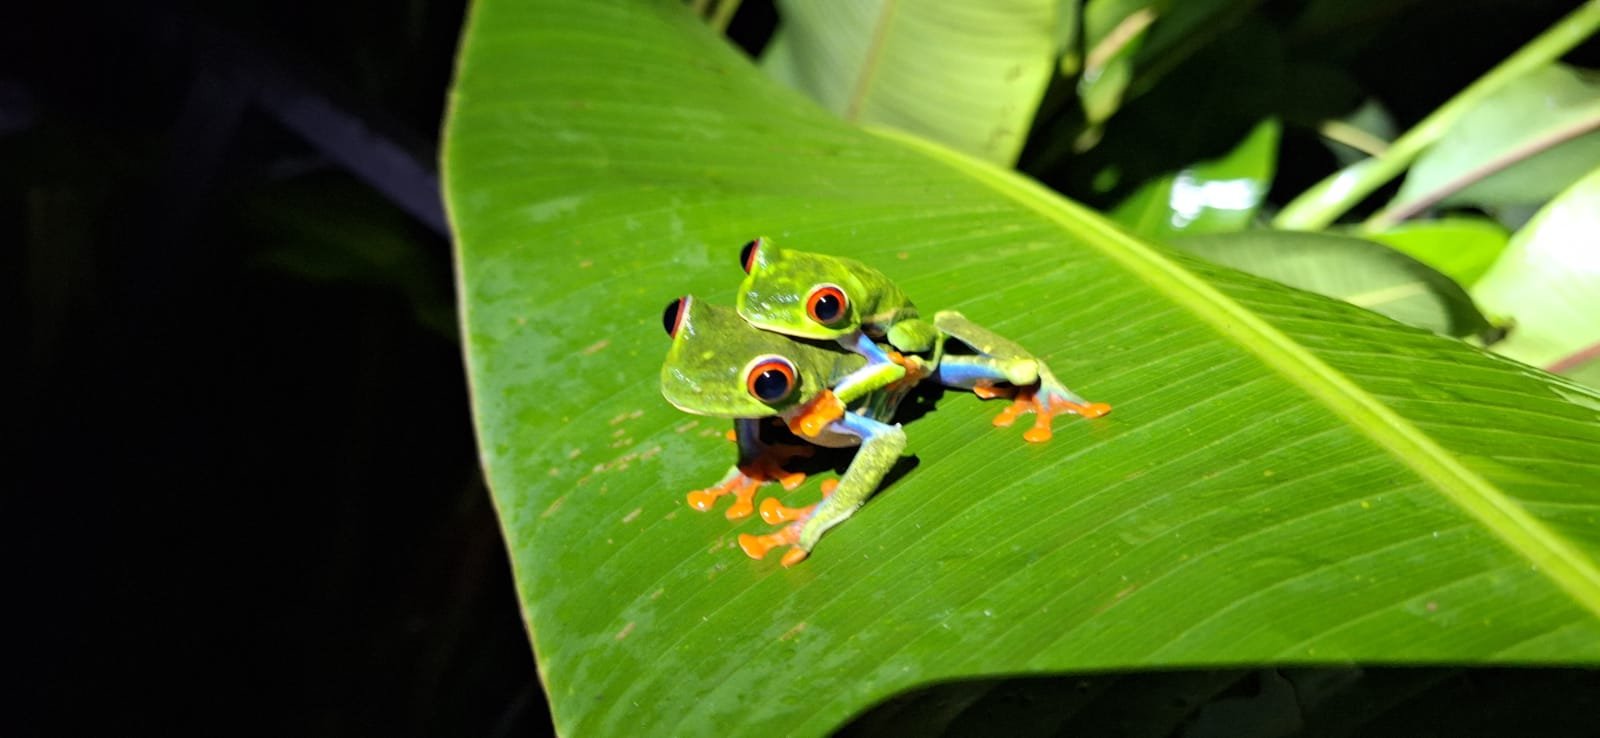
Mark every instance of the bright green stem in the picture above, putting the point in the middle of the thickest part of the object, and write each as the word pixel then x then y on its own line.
pixel 724 15
pixel 1325 201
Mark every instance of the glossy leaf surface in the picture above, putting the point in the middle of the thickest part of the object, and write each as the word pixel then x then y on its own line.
pixel 1359 272
pixel 1548 283
pixel 969 75
pixel 1220 195
pixel 1284 477
pixel 1521 145
pixel 1462 247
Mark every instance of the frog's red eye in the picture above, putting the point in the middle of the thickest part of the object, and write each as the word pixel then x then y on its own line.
pixel 827 304
pixel 747 255
pixel 677 311
pixel 770 378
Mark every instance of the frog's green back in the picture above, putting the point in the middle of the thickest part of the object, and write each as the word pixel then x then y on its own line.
pixel 713 348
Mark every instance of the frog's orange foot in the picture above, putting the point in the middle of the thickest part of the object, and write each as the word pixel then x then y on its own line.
pixel 776 513
pixel 756 547
pixel 769 466
pixel 743 488
pixel 1086 409
pixel 1045 406
pixel 816 415
pixel 743 501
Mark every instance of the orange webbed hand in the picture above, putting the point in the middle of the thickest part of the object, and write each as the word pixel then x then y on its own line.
pixel 816 415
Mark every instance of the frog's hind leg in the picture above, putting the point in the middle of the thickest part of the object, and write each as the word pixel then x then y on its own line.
pixel 1017 365
pixel 881 445
pixel 1046 400
pixel 1000 360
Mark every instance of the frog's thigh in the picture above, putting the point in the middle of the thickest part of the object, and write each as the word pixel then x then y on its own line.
pixel 1011 362
pixel 981 339
pixel 966 372
pixel 881 445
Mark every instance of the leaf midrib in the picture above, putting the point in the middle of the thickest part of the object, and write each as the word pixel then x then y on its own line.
pixel 1524 534
pixel 870 61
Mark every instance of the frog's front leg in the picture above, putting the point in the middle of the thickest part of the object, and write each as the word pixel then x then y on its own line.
pixel 881 445
pixel 828 406
pixel 1001 360
pixel 758 464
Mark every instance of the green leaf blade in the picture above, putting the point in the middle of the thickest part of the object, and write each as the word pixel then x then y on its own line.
pixel 1221 195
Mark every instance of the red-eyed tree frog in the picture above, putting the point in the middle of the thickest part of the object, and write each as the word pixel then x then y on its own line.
pixel 721 366
pixel 823 297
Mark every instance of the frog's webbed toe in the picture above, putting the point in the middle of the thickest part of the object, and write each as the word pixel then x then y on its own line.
pixel 744 480
pixel 776 513
pixel 757 547
pixel 743 488
pixel 1046 403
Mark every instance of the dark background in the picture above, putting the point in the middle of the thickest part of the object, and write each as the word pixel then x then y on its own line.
pixel 249 501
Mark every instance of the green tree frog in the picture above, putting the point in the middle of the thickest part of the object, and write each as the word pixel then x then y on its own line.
pixel 721 366
pixel 821 297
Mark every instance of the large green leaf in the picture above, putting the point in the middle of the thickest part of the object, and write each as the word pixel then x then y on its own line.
pixel 1521 145
pixel 1548 283
pixel 1284 478
pixel 967 74
pixel 1462 247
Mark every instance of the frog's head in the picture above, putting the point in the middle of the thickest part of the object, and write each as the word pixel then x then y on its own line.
pixel 721 366
pixel 797 293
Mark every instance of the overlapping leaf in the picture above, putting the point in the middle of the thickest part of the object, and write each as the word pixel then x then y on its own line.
pixel 1519 146
pixel 1548 283
pixel 1284 477
pixel 967 74
pixel 1359 272
pixel 1461 247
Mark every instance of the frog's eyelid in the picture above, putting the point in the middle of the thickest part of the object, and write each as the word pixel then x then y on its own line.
pixel 676 313
pixel 747 255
